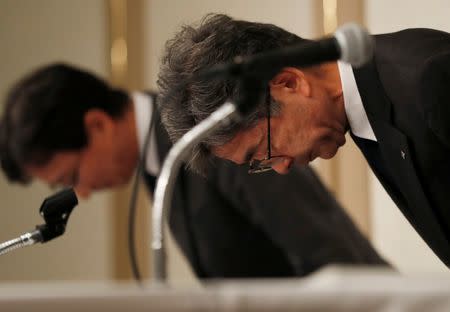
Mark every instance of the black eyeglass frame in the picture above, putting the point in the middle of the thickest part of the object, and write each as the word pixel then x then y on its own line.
pixel 259 166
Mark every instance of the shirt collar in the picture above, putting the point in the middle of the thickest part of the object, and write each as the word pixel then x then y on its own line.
pixel 143 109
pixel 354 109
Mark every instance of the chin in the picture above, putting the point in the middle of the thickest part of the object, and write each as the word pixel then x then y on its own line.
pixel 124 178
pixel 328 153
pixel 122 182
pixel 303 160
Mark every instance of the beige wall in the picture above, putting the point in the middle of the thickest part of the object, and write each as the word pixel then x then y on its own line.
pixel 392 234
pixel 387 16
pixel 33 33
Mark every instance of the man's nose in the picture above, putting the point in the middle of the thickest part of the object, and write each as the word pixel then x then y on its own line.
pixel 82 192
pixel 283 166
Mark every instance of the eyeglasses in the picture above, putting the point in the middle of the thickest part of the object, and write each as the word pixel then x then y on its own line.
pixel 259 166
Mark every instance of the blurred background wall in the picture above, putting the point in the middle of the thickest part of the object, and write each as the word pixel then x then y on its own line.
pixel 122 41
pixel 33 33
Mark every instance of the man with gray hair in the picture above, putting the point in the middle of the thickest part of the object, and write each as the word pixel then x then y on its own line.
pixel 396 108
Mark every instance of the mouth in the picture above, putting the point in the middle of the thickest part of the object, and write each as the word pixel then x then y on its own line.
pixel 304 160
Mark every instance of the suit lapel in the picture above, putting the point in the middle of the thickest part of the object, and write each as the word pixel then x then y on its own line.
pixel 398 159
pixel 374 158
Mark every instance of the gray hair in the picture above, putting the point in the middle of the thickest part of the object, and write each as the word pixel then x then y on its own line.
pixel 216 39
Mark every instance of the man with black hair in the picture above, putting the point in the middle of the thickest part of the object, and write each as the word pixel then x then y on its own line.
pixel 396 108
pixel 66 127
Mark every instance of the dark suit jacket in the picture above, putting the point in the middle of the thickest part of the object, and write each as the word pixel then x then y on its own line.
pixel 405 92
pixel 238 225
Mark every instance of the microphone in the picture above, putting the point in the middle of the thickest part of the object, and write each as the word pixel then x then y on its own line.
pixel 55 210
pixel 350 43
pixel 355 44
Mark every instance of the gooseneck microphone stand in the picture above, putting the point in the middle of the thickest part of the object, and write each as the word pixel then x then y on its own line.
pixel 167 178
pixel 55 210
pixel 228 112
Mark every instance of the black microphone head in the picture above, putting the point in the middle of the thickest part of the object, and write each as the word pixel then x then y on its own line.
pixel 355 43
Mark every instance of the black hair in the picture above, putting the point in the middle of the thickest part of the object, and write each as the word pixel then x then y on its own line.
pixel 44 114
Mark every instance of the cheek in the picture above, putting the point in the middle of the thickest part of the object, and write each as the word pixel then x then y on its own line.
pixel 94 166
pixel 121 165
pixel 100 172
pixel 109 167
pixel 105 159
pixel 89 171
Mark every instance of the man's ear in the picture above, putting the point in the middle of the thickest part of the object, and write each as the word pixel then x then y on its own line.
pixel 97 122
pixel 290 80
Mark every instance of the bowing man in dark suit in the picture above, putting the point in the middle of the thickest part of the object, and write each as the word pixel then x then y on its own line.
pixel 406 97
pixel 397 109
pixel 66 127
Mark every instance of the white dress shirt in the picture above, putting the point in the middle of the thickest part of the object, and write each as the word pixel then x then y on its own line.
pixel 143 109
pixel 354 109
